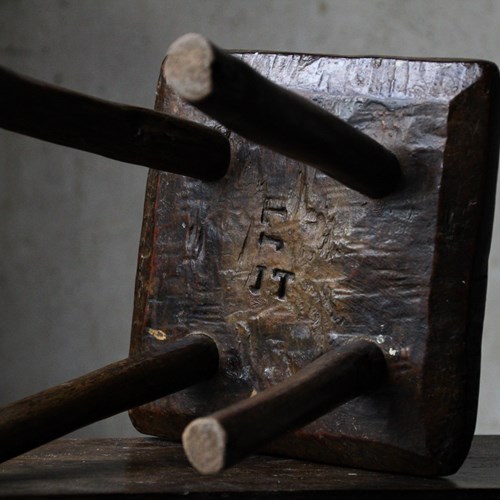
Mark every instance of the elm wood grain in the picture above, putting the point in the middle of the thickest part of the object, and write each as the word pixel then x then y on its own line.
pixel 407 271
pixel 218 441
pixel 234 94
pixel 144 468
pixel 52 413
pixel 125 133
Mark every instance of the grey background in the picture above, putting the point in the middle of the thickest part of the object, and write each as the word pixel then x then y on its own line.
pixel 70 221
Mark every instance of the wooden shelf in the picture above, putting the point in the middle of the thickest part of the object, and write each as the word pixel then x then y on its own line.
pixel 133 468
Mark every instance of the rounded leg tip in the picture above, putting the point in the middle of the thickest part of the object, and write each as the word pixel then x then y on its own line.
pixel 187 68
pixel 204 441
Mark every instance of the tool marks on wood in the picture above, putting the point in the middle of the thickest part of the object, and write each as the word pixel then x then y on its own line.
pixel 282 276
pixel 344 266
pixel 273 209
pixel 255 288
pixel 276 241
pixel 273 213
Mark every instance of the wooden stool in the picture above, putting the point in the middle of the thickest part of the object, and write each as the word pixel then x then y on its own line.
pixel 321 294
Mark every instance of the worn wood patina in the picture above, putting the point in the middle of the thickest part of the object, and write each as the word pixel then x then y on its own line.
pixel 47 415
pixel 125 133
pixel 240 98
pixel 279 263
pixel 154 468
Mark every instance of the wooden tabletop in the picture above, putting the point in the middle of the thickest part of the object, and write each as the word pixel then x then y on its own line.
pixel 133 468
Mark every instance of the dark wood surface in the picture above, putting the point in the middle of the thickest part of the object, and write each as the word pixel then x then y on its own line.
pixel 356 368
pixel 52 413
pixel 133 468
pixel 126 133
pixel 245 102
pixel 280 263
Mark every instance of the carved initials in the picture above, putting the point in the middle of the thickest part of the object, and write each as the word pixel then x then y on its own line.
pixel 273 207
pixel 255 288
pixel 265 239
pixel 282 276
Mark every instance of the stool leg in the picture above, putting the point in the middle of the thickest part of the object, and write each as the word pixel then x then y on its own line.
pixel 50 414
pixel 230 91
pixel 219 440
pixel 126 133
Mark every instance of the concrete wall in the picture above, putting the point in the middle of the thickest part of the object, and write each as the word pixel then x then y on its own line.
pixel 70 221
